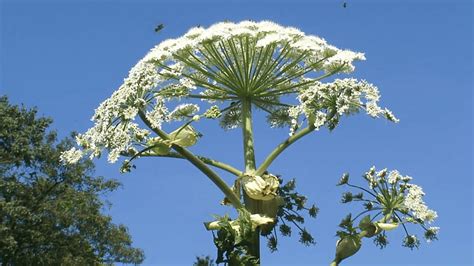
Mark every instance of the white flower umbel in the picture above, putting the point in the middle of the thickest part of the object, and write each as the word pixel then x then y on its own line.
pixel 414 202
pixel 400 202
pixel 324 103
pixel 260 61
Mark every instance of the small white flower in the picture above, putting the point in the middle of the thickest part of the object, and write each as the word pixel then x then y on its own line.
pixel 130 112
pixel 184 111
pixel 373 109
pixel 414 202
pixel 393 177
pixel 406 178
pixel 71 156
pixel 319 120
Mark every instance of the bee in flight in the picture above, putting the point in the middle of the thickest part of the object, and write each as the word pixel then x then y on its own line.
pixel 159 27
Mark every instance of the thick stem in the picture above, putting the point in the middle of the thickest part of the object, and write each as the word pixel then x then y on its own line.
pixel 247 131
pixel 234 200
pixel 249 159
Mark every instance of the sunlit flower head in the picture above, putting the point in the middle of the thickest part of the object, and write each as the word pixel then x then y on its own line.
pixel 209 72
pixel 391 196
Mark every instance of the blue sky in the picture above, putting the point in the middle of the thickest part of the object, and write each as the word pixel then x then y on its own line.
pixel 68 56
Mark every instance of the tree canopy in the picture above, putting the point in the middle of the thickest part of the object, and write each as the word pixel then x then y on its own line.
pixel 51 213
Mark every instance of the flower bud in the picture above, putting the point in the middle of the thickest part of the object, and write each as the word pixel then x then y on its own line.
pixel 260 187
pixel 368 227
pixel 386 226
pixel 255 219
pixel 184 137
pixel 258 220
pixel 160 146
pixel 347 247
pixel 212 225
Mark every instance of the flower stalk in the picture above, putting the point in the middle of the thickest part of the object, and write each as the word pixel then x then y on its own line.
pixel 230 195
pixel 249 158
pixel 223 166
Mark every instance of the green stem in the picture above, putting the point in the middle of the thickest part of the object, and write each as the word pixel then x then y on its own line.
pixel 198 163
pixel 281 147
pixel 249 153
pixel 206 160
pixel 249 158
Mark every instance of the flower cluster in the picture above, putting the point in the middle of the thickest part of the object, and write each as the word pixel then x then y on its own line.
pixel 258 60
pixel 391 195
pixel 263 34
pixel 325 103
pixel 414 203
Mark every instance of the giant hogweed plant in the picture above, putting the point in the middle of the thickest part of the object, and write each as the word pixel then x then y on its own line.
pixel 225 73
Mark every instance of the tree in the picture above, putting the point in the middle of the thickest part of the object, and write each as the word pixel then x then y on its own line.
pixel 50 213
pixel 229 70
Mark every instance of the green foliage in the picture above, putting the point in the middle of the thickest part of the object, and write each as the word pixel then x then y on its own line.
pixel 386 196
pixel 204 261
pixel 291 212
pixel 347 227
pixel 50 214
pixel 233 240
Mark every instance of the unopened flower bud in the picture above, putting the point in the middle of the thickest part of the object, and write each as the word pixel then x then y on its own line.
pixel 160 146
pixel 184 137
pixel 347 247
pixel 368 227
pixel 260 187
pixel 387 226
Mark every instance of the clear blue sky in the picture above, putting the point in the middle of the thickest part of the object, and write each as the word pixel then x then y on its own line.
pixel 68 56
